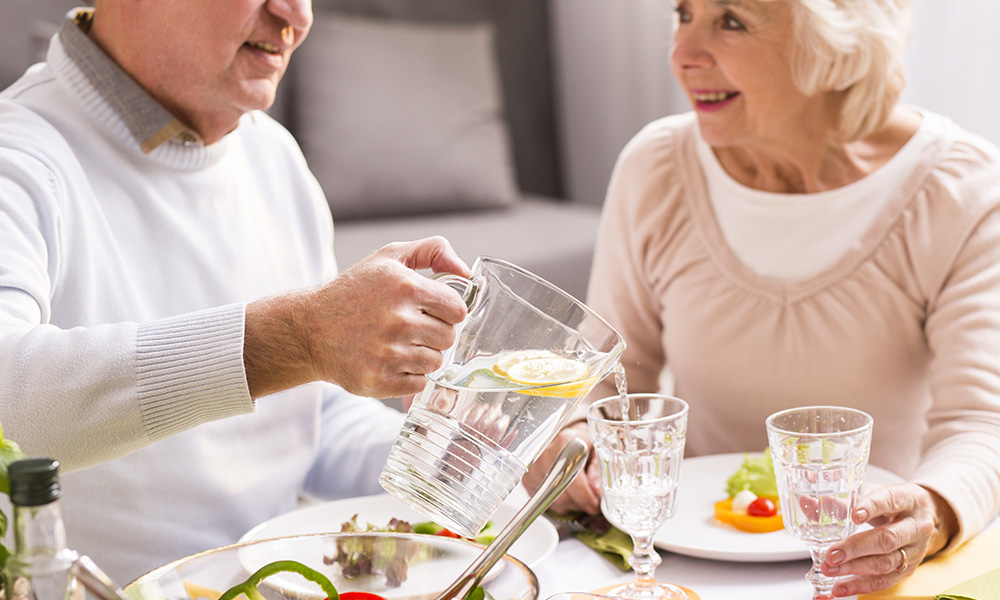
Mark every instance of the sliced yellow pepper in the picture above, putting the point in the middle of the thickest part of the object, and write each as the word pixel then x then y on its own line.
pixel 749 523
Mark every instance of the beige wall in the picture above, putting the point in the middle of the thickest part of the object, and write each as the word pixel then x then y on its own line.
pixel 614 77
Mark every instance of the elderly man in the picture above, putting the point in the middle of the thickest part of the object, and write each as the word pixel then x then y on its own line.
pixel 167 263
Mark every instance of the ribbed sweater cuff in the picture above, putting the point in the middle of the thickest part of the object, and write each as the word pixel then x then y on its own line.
pixel 190 370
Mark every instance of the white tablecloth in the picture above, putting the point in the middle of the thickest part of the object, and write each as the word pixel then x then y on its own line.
pixel 574 567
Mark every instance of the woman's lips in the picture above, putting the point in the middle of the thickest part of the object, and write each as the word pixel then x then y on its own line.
pixel 712 100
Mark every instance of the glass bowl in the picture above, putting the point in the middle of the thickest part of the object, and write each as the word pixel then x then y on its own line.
pixel 396 566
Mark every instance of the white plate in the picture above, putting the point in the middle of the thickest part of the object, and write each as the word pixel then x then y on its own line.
pixel 693 530
pixel 424 582
pixel 536 543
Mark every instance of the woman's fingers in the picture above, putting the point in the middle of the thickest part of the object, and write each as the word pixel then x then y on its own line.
pixel 581 494
pixel 902 519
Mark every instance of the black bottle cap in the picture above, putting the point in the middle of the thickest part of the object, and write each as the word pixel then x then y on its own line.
pixel 34 481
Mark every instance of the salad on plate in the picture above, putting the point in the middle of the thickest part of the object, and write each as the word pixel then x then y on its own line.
pixel 752 503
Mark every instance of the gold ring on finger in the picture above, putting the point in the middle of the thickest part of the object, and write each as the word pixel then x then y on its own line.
pixel 904 563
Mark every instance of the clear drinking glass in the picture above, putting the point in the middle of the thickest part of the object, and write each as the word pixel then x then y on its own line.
pixel 524 357
pixel 820 455
pixel 640 446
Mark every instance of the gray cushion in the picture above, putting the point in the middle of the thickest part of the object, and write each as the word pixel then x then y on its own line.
pixel 524 47
pixel 403 118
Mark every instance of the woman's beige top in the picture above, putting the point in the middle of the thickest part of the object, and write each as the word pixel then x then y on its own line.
pixel 905 325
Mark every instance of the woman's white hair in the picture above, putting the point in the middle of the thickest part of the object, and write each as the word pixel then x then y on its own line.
pixel 855 47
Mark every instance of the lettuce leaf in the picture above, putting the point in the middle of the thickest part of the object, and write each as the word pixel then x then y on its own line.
pixel 9 452
pixel 755 474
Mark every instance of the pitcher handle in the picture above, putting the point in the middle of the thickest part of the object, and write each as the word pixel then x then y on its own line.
pixel 467 288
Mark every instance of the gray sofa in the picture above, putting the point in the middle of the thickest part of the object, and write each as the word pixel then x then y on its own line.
pixel 420 117
pixel 484 165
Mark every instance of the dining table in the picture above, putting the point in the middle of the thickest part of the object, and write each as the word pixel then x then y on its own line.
pixel 575 567
pixel 570 565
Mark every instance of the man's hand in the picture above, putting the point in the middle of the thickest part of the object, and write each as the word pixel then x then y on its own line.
pixel 375 330
pixel 909 523
pixel 584 492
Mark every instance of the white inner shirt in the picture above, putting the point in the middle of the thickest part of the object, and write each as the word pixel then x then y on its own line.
pixel 795 236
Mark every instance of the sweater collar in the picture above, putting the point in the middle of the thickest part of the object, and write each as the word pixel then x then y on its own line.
pixel 147 120
pixel 120 106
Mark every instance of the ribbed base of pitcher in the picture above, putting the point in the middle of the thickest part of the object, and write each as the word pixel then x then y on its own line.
pixel 457 478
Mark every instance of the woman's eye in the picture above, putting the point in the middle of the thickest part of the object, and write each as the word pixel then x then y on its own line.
pixel 732 23
pixel 682 15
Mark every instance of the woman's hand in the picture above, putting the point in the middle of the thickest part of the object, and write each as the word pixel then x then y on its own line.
pixel 909 523
pixel 584 492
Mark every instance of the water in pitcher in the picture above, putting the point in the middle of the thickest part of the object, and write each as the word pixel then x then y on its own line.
pixel 478 426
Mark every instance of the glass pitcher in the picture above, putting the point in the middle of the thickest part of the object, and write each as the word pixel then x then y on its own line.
pixel 524 357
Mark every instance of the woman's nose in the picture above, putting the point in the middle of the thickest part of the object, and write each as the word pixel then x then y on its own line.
pixel 688 49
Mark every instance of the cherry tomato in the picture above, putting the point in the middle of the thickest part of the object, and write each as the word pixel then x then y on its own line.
pixel 762 507
pixel 447 533
pixel 360 596
pixel 744 522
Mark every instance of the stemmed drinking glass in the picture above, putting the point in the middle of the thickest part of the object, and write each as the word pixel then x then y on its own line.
pixel 640 445
pixel 820 454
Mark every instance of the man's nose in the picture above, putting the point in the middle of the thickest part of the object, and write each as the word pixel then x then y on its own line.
pixel 297 13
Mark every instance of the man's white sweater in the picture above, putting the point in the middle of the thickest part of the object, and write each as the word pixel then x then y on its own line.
pixel 123 283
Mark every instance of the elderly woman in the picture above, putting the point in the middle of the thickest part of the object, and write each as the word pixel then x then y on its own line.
pixel 801 238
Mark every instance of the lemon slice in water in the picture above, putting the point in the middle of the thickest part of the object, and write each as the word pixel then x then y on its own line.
pixel 506 361
pixel 541 371
pixel 552 369
pixel 485 379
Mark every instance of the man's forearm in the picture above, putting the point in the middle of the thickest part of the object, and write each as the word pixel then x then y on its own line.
pixel 275 351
